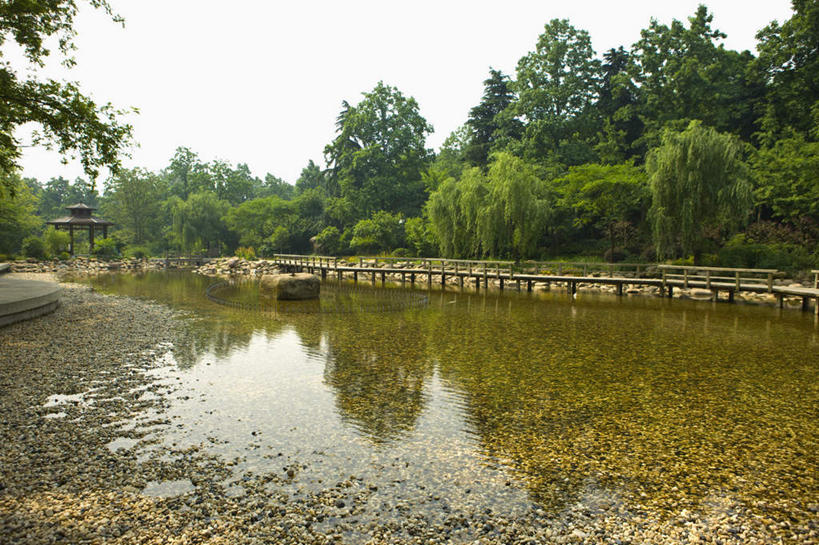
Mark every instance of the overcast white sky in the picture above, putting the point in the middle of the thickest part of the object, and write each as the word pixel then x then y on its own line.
pixel 261 82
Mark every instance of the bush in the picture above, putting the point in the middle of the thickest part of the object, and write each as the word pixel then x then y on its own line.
pixel 137 252
pixel 401 252
pixel 63 256
pixel 55 241
pixel 246 252
pixel 106 248
pixel 614 256
pixel 328 242
pixel 784 257
pixel 34 247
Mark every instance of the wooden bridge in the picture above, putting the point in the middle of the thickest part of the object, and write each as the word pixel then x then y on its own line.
pixel 509 274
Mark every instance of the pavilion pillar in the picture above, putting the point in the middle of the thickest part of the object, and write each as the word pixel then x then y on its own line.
pixel 71 239
pixel 90 239
pixel 104 231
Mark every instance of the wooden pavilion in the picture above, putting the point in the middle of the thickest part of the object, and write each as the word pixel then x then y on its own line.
pixel 80 218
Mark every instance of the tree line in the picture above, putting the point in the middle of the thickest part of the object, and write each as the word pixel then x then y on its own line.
pixel 673 148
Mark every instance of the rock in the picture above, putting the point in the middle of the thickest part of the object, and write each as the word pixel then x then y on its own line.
pixel 291 286
pixel 232 262
pixel 701 294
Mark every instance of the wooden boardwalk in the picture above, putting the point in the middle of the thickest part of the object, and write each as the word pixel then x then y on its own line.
pixel 508 275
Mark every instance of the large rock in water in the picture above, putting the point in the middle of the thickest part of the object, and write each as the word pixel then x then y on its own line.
pixel 291 286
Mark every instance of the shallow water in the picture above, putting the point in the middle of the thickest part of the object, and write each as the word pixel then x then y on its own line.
pixel 504 402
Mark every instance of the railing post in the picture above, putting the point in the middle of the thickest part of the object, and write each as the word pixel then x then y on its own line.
pixel 665 281
pixel 738 281
pixel 708 279
pixel 685 278
pixel 770 282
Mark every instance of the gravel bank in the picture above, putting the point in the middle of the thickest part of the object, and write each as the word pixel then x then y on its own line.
pixel 60 482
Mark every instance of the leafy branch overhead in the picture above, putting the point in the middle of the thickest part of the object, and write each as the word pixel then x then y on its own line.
pixel 67 120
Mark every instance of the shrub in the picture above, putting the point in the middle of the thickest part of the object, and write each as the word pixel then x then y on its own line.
pixel 401 252
pixel 137 252
pixel 328 242
pixel 614 256
pixel 246 252
pixel 106 248
pixel 55 241
pixel 63 256
pixel 34 247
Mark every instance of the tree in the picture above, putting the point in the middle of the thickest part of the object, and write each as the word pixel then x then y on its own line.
pixel 379 153
pixel 383 231
pixel 68 120
pixel 698 181
pixel 17 216
pixel 556 85
pixel 133 201
pixel 617 108
pixel 198 223
pixel 605 196
pixel 490 121
pixel 788 65
pixel 786 180
pixel 255 220
pixel 684 74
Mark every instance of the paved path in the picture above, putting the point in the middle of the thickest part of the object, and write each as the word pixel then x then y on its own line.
pixel 25 299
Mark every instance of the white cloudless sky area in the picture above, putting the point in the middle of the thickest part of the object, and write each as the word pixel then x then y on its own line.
pixel 261 82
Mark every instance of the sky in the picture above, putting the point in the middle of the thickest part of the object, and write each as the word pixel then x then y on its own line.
pixel 261 82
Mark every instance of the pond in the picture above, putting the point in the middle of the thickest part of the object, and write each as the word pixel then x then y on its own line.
pixel 501 402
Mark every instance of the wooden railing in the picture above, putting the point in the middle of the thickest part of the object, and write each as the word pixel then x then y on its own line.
pixel 719 276
pixel 815 279
pixel 584 268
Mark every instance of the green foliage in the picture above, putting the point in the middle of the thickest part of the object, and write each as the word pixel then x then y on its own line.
pixel 786 180
pixel 34 247
pixel 379 154
pixel 246 252
pixel 133 201
pixel 106 248
pixel 136 252
pixel 609 197
pixel 56 242
pixel 328 241
pixel 502 213
pixel 698 182
pixel 17 215
pixel 491 122
pixel 782 256
pixel 198 223
pixel 67 119
pixel 420 237
pixel 788 66
pixel 383 231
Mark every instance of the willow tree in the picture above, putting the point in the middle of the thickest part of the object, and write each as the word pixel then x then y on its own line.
pixel 698 184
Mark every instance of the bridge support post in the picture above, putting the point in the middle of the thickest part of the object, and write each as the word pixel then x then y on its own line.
pixel 528 285
pixel 730 296
pixel 500 282
pixel 670 291
pixel 781 298
pixel 412 279
pixel 383 278
pixel 620 289
pixel 518 283
pixel 355 277
pixel 805 302
pixel 373 275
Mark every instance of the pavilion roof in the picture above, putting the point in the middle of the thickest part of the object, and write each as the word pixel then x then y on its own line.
pixel 74 220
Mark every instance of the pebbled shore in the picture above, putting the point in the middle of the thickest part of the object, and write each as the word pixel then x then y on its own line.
pixel 61 483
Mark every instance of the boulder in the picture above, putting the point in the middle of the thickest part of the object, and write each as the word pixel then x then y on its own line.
pixel 289 287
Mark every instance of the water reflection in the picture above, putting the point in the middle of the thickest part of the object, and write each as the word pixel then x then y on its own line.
pixel 666 404
pixel 378 376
